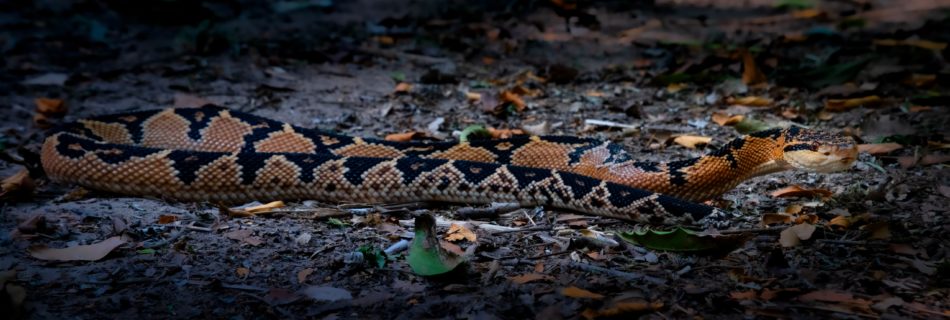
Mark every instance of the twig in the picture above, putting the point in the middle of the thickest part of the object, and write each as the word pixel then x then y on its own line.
pixel 615 273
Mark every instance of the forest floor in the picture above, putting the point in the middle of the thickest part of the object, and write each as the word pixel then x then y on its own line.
pixel 877 244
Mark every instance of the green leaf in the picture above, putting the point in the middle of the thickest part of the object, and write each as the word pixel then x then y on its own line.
pixel 794 4
pixel 337 222
pixel 474 131
pixel 146 251
pixel 426 255
pixel 683 240
pixel 373 254
pixel 750 125
pixel 398 76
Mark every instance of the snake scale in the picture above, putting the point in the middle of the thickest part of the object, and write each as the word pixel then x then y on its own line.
pixel 216 154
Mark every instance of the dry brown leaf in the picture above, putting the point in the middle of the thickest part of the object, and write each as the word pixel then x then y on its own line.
pixel 632 305
pixel 773 218
pixel 530 277
pixel 926 44
pixel 934 159
pixel 879 148
pixel 17 185
pixel 794 209
pixel 797 191
pixel 751 75
pixel 303 274
pixel 473 96
pixel 744 295
pixel 242 272
pixel 451 247
pixel 50 107
pixel 676 87
pixel 42 121
pixel 808 218
pixel 504 133
pixel 726 120
pixel 793 236
pixel 825 115
pixel 575 292
pixel 245 236
pixel 839 105
pixel 265 208
pixel 691 141
pixel 512 98
pixel 907 162
pixel 751 101
pixel 458 232
pixel 841 222
pixel 525 92
pixel 843 299
pixel 807 13
pixel 405 136
pixel 402 87
pixel 594 93
pixel 915 109
pixel 92 252
pixel 539 267
pixel 920 80
pixel 167 218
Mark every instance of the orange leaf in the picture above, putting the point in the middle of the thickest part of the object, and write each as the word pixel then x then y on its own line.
pixel 725 120
pixel 840 222
pixel 504 133
pixel 838 105
pixel 402 87
pixel 752 101
pixel 797 191
pixel 265 208
pixel 512 98
pixel 404 137
pixel 167 218
pixel 879 148
pixel 242 272
pixel 575 292
pixel 50 107
pixel 691 141
pixel 458 232
pixel 751 75
pixel 773 218
pixel 530 277
pixel 92 252
pixel 18 184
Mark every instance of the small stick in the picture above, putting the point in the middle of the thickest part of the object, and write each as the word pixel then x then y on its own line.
pixel 615 273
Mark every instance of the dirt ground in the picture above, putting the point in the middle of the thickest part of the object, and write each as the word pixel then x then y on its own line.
pixel 639 74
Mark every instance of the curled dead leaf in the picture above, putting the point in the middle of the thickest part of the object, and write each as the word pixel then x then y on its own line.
pixel 839 105
pixel 751 75
pixel 17 185
pixel 840 222
pixel 50 107
pixel 775 218
pixel 797 191
pixel 92 252
pixel 402 87
pixel 510 97
pixel 167 218
pixel 751 101
pixel 405 136
pixel 793 236
pixel 691 142
pixel 879 148
pixel 458 232
pixel 726 120
pixel 530 277
pixel 575 292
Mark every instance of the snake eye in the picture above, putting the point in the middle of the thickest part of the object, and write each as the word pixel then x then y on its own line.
pixel 827 153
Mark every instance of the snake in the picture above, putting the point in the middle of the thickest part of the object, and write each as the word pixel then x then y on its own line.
pixel 215 154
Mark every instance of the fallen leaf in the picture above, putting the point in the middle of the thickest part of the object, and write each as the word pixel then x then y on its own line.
pixel 744 295
pixel 167 218
pixel 934 159
pixel 458 232
pixel 676 87
pixel 402 87
pixel 575 292
pixel 303 274
pixel 473 96
pixel 405 136
pixel 807 14
pixel 841 222
pixel 839 105
pixel 751 75
pixel 17 185
pixel 245 236
pixel 451 247
pixel 773 218
pixel 530 277
pixel 879 148
pixel 925 44
pixel 691 141
pixel 509 97
pixel 726 120
pixel 265 208
pixel 752 101
pixel 92 252
pixel 797 191
pixel 540 129
pixel 504 133
pixel 242 272
pixel 792 236
pixel 625 306
pixel 794 209
pixel 808 218
pixel 280 296
pixel 326 294
pixel 50 107
pixel 920 80
pixel 42 121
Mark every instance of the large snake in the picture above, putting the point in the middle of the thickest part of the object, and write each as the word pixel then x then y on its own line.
pixel 215 154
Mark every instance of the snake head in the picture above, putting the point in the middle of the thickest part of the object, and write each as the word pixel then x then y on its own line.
pixel 819 151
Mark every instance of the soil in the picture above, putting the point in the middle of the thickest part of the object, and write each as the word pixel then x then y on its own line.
pixel 656 69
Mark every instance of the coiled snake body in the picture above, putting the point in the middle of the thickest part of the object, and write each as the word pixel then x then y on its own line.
pixel 215 154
